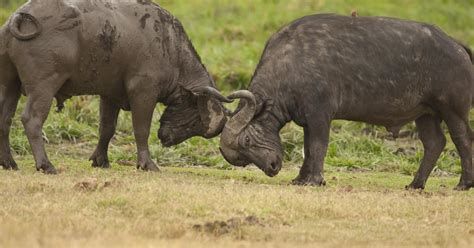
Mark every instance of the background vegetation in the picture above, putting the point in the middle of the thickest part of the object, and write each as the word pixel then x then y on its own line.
pixel 230 35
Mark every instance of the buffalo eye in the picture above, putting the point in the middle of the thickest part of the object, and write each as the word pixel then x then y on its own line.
pixel 247 141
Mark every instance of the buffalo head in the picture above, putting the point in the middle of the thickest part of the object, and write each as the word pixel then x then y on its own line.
pixel 246 140
pixel 197 112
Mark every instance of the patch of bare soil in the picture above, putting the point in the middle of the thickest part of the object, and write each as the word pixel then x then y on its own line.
pixel 110 184
pixel 219 228
pixel 347 189
pixel 87 185
pixel 92 184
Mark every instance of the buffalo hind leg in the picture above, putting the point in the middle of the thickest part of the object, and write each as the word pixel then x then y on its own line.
pixel 37 108
pixel 108 121
pixel 33 117
pixel 142 102
pixel 432 137
pixel 9 96
pixel 461 135
pixel 316 139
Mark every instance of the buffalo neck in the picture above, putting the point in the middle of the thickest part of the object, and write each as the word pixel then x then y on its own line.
pixel 186 71
pixel 274 95
pixel 187 77
pixel 273 112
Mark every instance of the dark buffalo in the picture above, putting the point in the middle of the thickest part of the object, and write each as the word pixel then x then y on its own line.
pixel 378 70
pixel 131 53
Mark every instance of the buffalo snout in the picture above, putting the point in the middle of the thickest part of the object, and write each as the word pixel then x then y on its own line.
pixel 273 166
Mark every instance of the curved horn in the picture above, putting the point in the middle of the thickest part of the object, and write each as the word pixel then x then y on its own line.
pixel 15 23
pixel 242 118
pixel 210 91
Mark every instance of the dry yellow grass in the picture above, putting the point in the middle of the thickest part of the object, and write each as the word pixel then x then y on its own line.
pixel 198 207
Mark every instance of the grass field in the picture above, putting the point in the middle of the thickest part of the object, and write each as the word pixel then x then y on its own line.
pixel 199 199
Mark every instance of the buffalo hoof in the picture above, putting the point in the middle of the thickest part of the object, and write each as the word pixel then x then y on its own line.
pixel 9 164
pixel 148 166
pixel 47 168
pixel 464 186
pixel 99 161
pixel 310 180
pixel 415 186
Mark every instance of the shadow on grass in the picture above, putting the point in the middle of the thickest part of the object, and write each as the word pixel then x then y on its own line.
pixel 335 179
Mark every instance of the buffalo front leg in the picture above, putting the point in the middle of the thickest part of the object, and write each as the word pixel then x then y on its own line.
pixel 432 137
pixel 142 102
pixel 316 139
pixel 9 95
pixel 108 121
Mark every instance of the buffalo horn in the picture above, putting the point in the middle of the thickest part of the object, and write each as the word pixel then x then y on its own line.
pixel 210 91
pixel 242 118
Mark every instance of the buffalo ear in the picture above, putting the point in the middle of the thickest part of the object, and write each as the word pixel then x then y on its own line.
pixel 211 110
pixel 212 116
pixel 264 107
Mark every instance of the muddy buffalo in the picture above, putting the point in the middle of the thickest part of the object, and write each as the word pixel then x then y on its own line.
pixel 131 53
pixel 377 70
